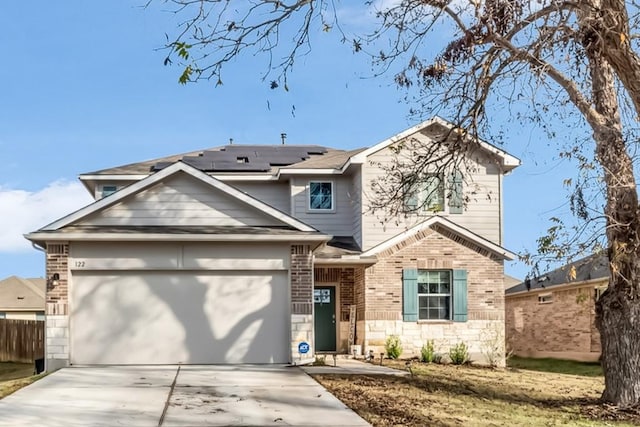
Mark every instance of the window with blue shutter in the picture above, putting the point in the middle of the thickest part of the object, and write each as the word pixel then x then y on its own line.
pixel 410 294
pixel 456 200
pixel 425 194
pixel 459 295
pixel 434 295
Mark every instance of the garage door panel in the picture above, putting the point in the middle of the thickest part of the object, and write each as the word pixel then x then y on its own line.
pixel 140 318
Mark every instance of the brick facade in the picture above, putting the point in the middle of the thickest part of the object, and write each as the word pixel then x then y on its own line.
pixel 430 249
pixel 57 307
pixel 301 271
pixel 301 279
pixel 563 328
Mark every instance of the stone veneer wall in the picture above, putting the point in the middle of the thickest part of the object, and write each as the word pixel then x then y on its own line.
pixel 301 303
pixel 57 307
pixel 564 328
pixel 432 249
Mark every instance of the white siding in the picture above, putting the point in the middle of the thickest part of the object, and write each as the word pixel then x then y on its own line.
pixel 356 202
pixel 338 222
pixel 181 200
pixel 275 194
pixel 481 215
pixel 22 315
pixel 178 256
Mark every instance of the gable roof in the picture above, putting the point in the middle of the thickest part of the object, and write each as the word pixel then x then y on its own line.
pixel 592 267
pixel 164 173
pixel 227 158
pixel 20 294
pixel 508 161
pixel 435 221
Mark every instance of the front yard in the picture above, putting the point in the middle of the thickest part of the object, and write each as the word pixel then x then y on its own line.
pixel 14 376
pixel 447 395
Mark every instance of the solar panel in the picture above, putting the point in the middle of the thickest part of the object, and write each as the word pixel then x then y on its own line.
pixel 248 158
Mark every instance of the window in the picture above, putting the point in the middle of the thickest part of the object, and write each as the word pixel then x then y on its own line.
pixel 321 196
pixel 425 195
pixel 108 190
pixel 40 315
pixel 545 298
pixel 3 315
pixel 434 295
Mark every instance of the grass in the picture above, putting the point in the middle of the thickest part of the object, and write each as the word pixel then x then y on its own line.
pixel 447 395
pixel 14 376
pixel 570 367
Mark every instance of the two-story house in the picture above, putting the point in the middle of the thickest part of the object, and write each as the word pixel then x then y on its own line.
pixel 270 254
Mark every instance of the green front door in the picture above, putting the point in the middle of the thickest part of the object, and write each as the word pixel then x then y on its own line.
pixel 324 301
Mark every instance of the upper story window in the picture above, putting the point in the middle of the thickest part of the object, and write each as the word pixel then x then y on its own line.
pixel 321 196
pixel 425 195
pixel 108 190
pixel 434 295
pixel 545 298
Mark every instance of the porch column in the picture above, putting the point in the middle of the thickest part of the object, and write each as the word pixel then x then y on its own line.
pixel 301 304
pixel 57 307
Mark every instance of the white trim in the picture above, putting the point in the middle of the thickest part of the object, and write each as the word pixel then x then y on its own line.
pixel 112 177
pixel 135 237
pixel 324 171
pixel 164 173
pixel 509 161
pixel 263 177
pixel 221 177
pixel 438 220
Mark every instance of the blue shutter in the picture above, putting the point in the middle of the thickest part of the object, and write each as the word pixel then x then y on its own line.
pixel 410 294
pixel 456 200
pixel 459 295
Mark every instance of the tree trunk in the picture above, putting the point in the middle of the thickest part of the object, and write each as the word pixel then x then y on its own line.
pixel 618 310
pixel 618 320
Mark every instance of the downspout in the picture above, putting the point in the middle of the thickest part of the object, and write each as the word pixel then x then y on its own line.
pixel 500 231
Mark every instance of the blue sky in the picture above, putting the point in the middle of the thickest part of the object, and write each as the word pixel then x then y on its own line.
pixel 82 87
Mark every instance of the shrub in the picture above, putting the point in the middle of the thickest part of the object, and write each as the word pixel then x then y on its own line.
pixel 320 361
pixel 459 354
pixel 428 352
pixel 393 347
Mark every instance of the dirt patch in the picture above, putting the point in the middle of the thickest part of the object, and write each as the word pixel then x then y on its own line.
pixel 14 376
pixel 445 395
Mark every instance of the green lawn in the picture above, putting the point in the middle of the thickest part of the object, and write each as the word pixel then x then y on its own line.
pixel 585 369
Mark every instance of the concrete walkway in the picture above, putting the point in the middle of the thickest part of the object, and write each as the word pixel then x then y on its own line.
pixel 346 365
pixel 165 396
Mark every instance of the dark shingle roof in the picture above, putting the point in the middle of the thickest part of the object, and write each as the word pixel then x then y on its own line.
pixel 241 158
pixel 592 267
pixel 338 246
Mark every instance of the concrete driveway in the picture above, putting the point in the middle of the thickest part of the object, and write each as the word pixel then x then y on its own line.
pixel 171 396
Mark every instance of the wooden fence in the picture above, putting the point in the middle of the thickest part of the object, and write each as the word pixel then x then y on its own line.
pixel 21 340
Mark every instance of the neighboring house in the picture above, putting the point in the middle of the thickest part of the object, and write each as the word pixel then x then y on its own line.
pixel 241 254
pixel 553 315
pixel 22 299
pixel 510 281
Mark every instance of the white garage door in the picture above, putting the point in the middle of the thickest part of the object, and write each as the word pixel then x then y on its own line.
pixel 124 317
